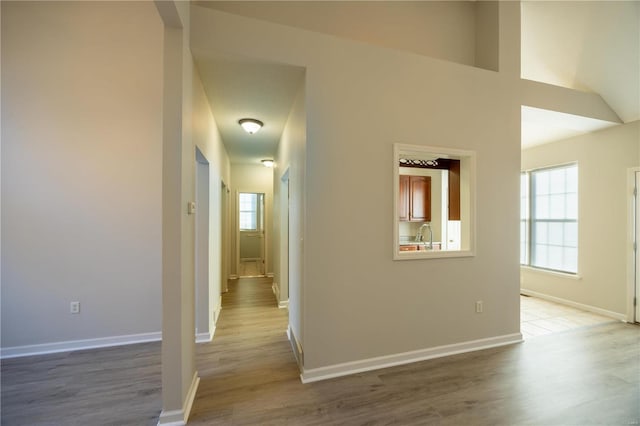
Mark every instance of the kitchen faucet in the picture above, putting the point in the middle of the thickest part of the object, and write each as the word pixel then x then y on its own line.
pixel 420 237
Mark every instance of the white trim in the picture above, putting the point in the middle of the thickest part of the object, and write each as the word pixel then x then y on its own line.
pixel 206 337
pixel 631 261
pixel 76 345
pixel 353 367
pixel 276 291
pixel 468 161
pixel 233 277
pixel 589 308
pixel 283 304
pixel 558 274
pixel 297 349
pixel 180 417
pixel 269 274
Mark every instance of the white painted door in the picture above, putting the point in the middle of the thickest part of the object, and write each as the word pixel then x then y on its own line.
pixel 251 234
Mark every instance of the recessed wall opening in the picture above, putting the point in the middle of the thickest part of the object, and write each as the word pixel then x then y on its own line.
pixel 434 190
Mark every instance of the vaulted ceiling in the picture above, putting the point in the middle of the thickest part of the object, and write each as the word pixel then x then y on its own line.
pixel 591 46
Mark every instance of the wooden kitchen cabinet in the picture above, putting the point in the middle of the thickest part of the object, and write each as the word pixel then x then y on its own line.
pixel 454 190
pixel 414 203
pixel 403 199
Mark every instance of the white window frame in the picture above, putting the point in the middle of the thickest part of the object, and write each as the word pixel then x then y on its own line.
pixel 253 213
pixel 530 221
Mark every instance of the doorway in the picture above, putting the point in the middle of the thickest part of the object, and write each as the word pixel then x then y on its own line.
pixel 203 306
pixel 282 289
pixel 224 240
pixel 251 227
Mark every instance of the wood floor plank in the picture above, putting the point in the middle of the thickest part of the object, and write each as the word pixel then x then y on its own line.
pixel 249 376
pixel 549 381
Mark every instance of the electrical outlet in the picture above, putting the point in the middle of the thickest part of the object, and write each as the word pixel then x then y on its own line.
pixel 74 307
pixel 479 307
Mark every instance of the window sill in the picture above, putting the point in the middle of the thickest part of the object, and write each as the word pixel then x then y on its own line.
pixel 575 277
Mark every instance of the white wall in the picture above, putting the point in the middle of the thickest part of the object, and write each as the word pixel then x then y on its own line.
pixel 81 171
pixel 603 158
pixel 359 100
pixel 208 140
pixel 440 29
pixel 259 179
pixel 290 161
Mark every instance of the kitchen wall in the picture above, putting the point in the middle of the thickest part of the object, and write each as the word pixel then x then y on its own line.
pixel 81 172
pixel 603 158
pixel 361 99
pixel 259 179
pixel 409 229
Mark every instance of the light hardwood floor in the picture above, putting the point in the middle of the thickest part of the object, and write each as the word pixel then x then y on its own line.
pixel 540 317
pixel 589 375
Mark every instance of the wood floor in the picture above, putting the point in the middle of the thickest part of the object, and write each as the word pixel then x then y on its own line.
pixel 589 375
pixel 111 386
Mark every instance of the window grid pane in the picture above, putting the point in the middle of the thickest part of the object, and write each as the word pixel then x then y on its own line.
pixel 248 204
pixel 554 219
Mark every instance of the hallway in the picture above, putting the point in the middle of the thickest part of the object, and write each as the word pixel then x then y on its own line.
pixel 249 357
pixel 249 376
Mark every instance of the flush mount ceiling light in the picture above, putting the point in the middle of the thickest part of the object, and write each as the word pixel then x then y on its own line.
pixel 267 163
pixel 251 125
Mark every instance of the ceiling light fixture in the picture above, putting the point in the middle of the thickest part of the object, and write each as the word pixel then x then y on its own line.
pixel 251 125
pixel 267 163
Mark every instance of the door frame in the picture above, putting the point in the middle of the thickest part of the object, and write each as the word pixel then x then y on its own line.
pixel 283 286
pixel 225 247
pixel 203 312
pixel 633 266
pixel 263 213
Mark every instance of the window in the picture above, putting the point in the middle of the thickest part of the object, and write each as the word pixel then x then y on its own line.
pixel 248 212
pixel 549 219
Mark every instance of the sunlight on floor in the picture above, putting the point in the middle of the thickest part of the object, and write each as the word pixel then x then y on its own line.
pixel 540 317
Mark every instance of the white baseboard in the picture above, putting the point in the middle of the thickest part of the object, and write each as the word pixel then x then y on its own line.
pixel 276 291
pixel 297 348
pixel 589 308
pixel 180 417
pixel 347 368
pixel 76 345
pixel 205 337
pixel 283 304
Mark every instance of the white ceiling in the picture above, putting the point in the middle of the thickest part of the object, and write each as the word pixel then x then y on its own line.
pixel 592 46
pixel 238 87
pixel 540 126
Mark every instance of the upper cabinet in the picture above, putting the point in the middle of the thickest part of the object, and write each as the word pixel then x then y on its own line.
pixel 454 190
pixel 414 200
